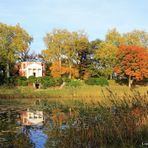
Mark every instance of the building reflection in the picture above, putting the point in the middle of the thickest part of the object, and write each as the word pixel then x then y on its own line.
pixel 30 118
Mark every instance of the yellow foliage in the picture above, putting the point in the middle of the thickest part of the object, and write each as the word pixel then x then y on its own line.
pixel 57 70
pixel 86 75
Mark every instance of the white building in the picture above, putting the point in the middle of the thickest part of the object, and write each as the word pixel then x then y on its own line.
pixel 28 69
pixel 32 118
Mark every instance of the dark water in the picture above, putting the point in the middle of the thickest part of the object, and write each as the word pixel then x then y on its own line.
pixel 28 126
pixel 23 128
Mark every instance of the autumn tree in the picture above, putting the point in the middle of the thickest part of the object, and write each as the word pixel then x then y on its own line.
pixel 55 47
pixel 64 46
pixel 14 40
pixel 106 52
pixel 57 71
pixel 132 62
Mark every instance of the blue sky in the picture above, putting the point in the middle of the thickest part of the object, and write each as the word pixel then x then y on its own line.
pixel 95 17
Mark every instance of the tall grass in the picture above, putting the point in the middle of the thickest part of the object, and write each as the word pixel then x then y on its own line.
pixel 115 122
pixel 83 92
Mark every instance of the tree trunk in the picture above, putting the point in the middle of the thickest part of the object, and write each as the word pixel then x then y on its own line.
pixel 60 63
pixel 70 71
pixel 111 76
pixel 7 70
pixel 130 82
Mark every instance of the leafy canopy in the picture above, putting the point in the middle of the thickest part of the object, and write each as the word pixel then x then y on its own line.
pixel 132 62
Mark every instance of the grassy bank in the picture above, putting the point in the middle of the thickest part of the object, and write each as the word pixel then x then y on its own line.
pixel 83 92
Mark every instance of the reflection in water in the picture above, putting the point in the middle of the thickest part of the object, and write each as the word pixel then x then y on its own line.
pixel 29 118
pixel 22 129
pixel 38 137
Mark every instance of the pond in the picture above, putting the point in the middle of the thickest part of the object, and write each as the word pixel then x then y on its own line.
pixel 22 128
pixel 47 124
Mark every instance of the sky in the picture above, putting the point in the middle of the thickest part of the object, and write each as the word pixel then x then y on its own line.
pixel 95 17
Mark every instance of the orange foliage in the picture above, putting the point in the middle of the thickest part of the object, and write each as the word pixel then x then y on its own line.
pixel 57 70
pixel 132 61
pixel 86 75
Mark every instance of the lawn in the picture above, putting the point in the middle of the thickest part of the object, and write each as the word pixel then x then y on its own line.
pixel 84 92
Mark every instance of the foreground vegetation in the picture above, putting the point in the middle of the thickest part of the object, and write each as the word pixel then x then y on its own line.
pixel 120 121
pixel 86 115
pixel 112 121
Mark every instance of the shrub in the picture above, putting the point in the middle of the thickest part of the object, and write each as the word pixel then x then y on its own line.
pixel 22 78
pixel 58 81
pixel 47 81
pixel 73 83
pixel 11 81
pixel 22 81
pixel 32 79
pixel 97 81
pixel 65 79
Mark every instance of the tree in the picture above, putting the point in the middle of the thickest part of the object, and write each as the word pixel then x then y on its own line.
pixel 94 44
pixel 114 37
pixel 64 47
pixel 107 57
pixel 132 62
pixel 13 41
pixel 57 71
pixel 106 52
pixel 76 45
pixel 136 38
pixel 29 56
pixel 55 47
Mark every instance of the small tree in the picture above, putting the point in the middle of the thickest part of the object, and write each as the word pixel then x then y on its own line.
pixel 132 62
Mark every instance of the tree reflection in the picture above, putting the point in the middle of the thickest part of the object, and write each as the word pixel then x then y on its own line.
pixel 12 135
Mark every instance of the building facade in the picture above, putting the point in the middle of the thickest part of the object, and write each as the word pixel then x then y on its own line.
pixel 32 118
pixel 28 69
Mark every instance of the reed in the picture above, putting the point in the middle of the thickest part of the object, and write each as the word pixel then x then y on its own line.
pixel 118 121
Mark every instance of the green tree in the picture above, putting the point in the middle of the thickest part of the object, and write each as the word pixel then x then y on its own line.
pixel 106 53
pixel 114 37
pixel 136 38
pixel 14 40
pixel 94 44
pixel 107 57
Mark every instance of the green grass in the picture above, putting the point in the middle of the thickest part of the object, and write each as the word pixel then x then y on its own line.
pixel 84 92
